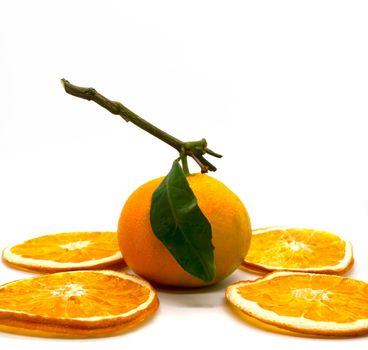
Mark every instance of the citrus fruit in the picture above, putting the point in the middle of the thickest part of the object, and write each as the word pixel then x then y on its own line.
pixel 76 304
pixel 148 257
pixel 66 251
pixel 298 249
pixel 317 304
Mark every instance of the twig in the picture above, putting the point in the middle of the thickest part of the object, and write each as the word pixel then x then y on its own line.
pixel 195 149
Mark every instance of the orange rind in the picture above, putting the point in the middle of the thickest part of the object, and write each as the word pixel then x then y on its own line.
pixel 149 258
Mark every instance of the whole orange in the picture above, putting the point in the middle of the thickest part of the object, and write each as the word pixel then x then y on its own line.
pixel 148 257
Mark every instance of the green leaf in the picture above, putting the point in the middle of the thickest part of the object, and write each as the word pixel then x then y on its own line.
pixel 180 225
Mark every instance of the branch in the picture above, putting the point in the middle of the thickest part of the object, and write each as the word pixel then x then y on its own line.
pixel 194 149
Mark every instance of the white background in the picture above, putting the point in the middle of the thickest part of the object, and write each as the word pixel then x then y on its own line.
pixel 278 87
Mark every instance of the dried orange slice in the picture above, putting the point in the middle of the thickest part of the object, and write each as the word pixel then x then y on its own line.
pixel 66 251
pixel 298 249
pixel 317 304
pixel 76 303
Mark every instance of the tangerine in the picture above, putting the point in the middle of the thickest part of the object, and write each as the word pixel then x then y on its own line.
pixel 147 256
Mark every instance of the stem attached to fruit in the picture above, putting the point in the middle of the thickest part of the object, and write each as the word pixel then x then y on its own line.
pixel 194 149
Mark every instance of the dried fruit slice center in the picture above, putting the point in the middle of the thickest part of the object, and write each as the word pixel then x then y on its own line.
pixel 312 303
pixel 69 290
pixel 66 251
pixel 298 250
pixel 83 299
pixel 75 245
pixel 309 294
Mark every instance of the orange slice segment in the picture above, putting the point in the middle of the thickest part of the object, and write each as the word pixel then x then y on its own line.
pixel 66 251
pixel 298 249
pixel 317 304
pixel 78 303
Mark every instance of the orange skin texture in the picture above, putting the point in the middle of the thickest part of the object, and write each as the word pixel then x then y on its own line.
pixel 148 257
